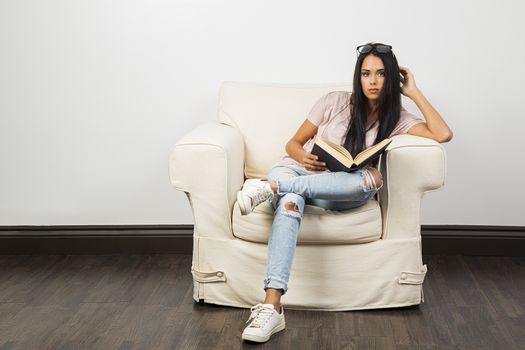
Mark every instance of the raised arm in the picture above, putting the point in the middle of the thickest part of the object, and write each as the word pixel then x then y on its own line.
pixel 295 149
pixel 435 127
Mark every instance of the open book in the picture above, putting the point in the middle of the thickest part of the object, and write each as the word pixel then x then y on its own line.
pixel 337 157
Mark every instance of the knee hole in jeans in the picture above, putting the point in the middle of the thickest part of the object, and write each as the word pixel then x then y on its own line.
pixel 291 206
pixel 374 178
pixel 291 209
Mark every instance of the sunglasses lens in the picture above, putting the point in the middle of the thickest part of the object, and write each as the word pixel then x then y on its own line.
pixel 382 48
pixel 365 48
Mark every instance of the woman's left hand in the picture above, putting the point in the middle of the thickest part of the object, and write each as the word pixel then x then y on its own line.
pixel 408 83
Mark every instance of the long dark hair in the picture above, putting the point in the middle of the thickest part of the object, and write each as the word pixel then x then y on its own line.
pixel 389 103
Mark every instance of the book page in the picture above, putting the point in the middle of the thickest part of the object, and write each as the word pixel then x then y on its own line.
pixel 370 151
pixel 340 148
pixel 336 151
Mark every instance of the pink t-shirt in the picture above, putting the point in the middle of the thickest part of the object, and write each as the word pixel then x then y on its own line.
pixel 331 114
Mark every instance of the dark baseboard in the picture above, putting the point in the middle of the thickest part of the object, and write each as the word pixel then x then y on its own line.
pixel 473 240
pixel 97 239
pixel 177 239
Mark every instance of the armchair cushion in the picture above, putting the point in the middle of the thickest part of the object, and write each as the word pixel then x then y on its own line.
pixel 319 226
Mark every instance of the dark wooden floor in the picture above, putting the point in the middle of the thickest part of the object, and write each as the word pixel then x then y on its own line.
pixel 145 302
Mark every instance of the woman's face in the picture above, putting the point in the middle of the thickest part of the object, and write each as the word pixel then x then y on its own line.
pixel 372 76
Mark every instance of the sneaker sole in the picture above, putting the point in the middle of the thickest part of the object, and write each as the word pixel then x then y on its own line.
pixel 241 204
pixel 261 339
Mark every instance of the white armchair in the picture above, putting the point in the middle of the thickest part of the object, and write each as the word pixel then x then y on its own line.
pixel 363 258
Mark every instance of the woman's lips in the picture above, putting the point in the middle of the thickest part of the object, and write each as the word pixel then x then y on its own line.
pixel 373 91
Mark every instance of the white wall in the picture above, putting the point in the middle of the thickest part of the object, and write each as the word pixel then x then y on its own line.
pixel 93 94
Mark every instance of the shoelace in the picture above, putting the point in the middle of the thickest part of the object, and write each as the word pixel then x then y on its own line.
pixel 260 316
pixel 261 195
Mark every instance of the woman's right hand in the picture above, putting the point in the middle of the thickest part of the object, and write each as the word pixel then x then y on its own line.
pixel 295 147
pixel 311 162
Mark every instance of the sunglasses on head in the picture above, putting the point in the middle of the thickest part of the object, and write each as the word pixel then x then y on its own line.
pixel 369 47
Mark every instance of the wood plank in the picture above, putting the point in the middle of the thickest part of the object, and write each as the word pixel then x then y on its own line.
pixel 146 302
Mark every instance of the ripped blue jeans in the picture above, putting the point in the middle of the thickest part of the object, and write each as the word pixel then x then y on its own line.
pixel 295 189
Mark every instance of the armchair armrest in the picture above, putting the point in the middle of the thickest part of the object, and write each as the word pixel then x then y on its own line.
pixel 207 164
pixel 410 166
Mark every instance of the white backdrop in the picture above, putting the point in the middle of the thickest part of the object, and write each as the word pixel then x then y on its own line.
pixel 93 94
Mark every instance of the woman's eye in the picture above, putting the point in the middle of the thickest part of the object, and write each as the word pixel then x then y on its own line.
pixel 365 74
pixel 381 74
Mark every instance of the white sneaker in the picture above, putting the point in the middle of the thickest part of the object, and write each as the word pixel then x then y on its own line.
pixel 265 321
pixel 253 193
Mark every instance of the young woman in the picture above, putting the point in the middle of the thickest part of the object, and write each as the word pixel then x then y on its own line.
pixel 357 121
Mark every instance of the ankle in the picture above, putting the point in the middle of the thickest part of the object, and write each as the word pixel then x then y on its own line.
pixel 273 296
pixel 278 308
pixel 273 185
pixel 276 305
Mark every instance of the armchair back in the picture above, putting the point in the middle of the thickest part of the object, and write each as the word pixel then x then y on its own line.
pixel 267 115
